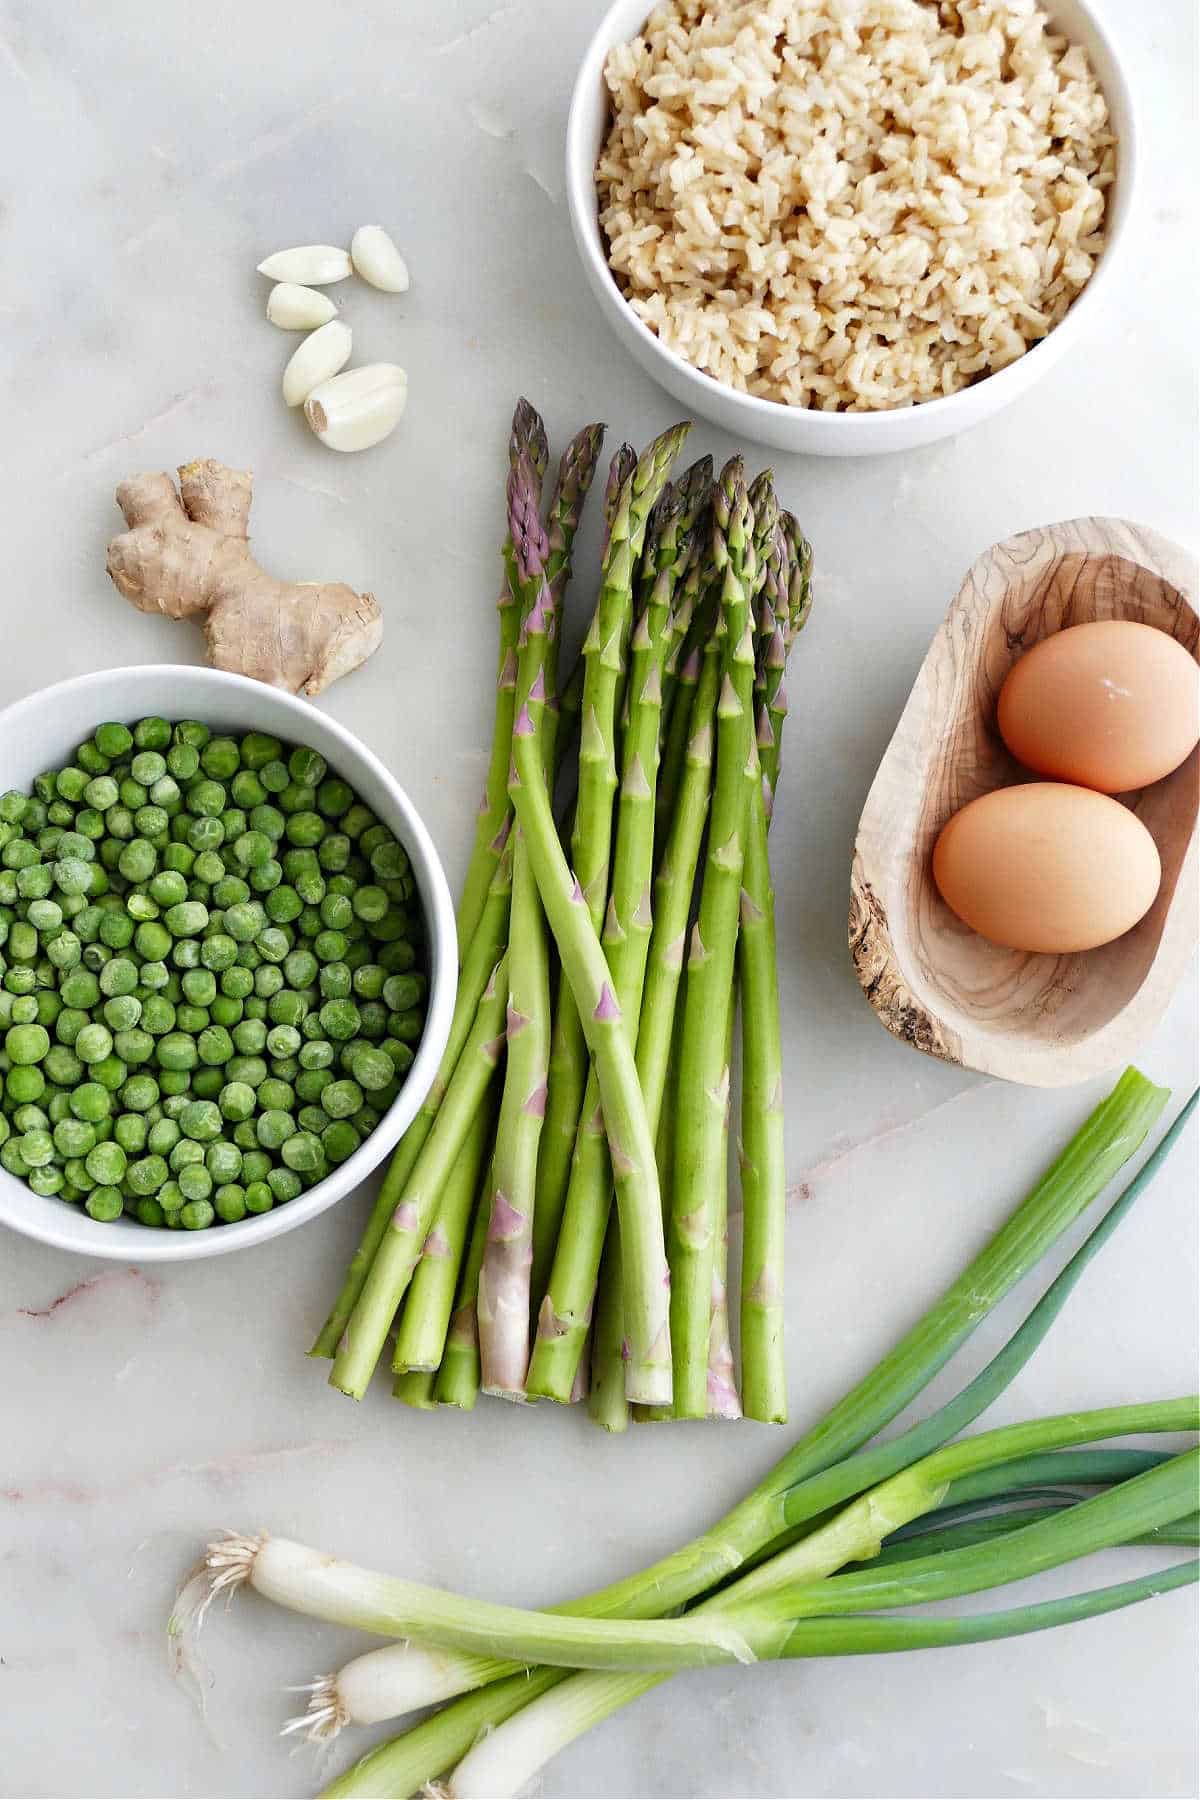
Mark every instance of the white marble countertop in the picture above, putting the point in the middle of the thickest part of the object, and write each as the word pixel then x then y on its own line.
pixel 151 156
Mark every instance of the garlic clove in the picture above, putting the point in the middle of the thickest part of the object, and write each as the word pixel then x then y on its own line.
pixel 296 308
pixel 312 265
pixel 360 408
pixel 320 356
pixel 377 259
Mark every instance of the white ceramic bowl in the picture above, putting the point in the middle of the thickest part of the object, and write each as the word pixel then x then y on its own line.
pixel 798 429
pixel 39 732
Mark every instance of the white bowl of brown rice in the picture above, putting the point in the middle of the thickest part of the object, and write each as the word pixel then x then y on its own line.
pixel 847 227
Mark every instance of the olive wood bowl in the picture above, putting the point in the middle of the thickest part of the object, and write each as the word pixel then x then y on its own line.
pixel 1041 1019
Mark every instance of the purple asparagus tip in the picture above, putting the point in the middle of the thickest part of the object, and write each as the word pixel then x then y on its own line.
pixel 607 1011
pixel 537 689
pixel 523 724
pixel 406 1217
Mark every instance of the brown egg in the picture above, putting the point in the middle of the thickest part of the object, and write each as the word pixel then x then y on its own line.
pixel 1047 867
pixel 1113 705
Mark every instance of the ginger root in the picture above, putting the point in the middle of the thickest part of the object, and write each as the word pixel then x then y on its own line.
pixel 187 555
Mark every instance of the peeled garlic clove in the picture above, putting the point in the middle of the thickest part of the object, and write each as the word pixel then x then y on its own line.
pixel 296 308
pixel 359 408
pixel 377 259
pixel 321 355
pixel 312 265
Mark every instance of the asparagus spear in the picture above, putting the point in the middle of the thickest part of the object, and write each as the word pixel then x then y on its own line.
pixel 723 1401
pixel 528 439
pixel 503 1296
pixel 410 1223
pixel 458 1375
pixel 568 1052
pixel 479 960
pixel 626 940
pixel 425 1320
pixel 631 1144
pixel 704 1071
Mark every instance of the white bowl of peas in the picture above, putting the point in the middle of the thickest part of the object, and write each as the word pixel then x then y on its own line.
pixel 227 963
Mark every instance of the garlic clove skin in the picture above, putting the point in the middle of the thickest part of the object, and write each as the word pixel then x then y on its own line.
pixel 296 308
pixel 319 357
pixel 310 265
pixel 377 259
pixel 360 408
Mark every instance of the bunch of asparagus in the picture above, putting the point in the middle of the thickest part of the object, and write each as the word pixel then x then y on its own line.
pixel 618 901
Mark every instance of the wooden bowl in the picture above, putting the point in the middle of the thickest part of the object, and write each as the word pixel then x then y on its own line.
pixel 1045 1020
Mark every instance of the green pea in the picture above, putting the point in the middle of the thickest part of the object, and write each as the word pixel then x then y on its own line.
pixel 151 822
pixel 258 749
pixel 207 1083
pixel 206 799
pixel 158 1015
pixel 197 1215
pixel 118 823
pixel 199 986
pixel 168 887
pixel 27 1043
pixel 102 792
pixel 201 1121
pixel 118 979
pixel 93 1043
pixel 163 1136
pixel 147 767
pixel 209 867
pixel 231 890
pixel 225 1011
pixel 25 1084
pixel 339 1141
pixel 336 852
pixel 223 1161
pixel 259 1198
pixel 62 1066
pixel 138 860
pixel 170 1198
pixel 106 1164
pixel 175 1082
pixel 185 1153
pixel 244 921
pixel 149 1212
pixel 275 1128
pixel 122 1012
pixel 313 1118
pixel 179 857
pixel 47 1180
pixel 237 983
pixel 140 1093
pixel 35 883
pixel 187 919
pixel 402 1055
pixel 186 954
pixel 268 980
pixel 215 1046
pixel 372 1069
pixel 195 1182
pixel 375 1019
pixel 177 1051
pixel 183 761
pixel 229 1202
pixel 104 1204
pixel 284 1183
pixel 247 790
pixel 245 1137
pixel 303 1153
pixel 113 741
pixel 340 1020
pixel 117 931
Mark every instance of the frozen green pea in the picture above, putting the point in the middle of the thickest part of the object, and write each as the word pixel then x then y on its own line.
pixel 150 1212
pixel 402 1055
pixel 118 978
pixel 225 1011
pixel 275 1128
pixel 158 1015
pixel 368 981
pixel 215 1046
pixel 25 1084
pixel 207 1082
pixel 27 1043
pixel 209 867
pixel 93 1043
pixel 176 1051
pixel 297 797
pixel 186 954
pixel 247 790
pixel 259 1198
pixel 122 1012
pixel 237 983
pixel 147 1175
pixel 250 1036
pixel 104 1204
pixel 303 1153
pixel 274 1094
pixel 138 860
pixel 372 1069
pixel 336 981
pixel 229 1202
pixel 140 1093
pixel 162 1137
pixel 187 919
pixel 340 1019
pixel 175 1082
pixel 336 912
pixel 201 1121
pixel 183 761
pixel 205 833
pixel 170 1198
pixel 223 1161
pixel 74 1137
pixel 47 1180
pixel 218 952
pixel 316 1053
pixel 151 822
pixel 106 1164
pixel 168 887
pixel 147 767
pixel 195 1182
pixel 284 1183
pixel 244 921
pixel 199 986
pixel 62 1066
pixel 339 1141
pixel 313 1118
pixel 220 758
pixel 283 1040
pixel 231 890
pixel 342 1099
pixel 197 1215
pixel 268 980
pixel 184 1154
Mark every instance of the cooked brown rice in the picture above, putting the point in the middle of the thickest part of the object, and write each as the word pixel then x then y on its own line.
pixel 853 204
